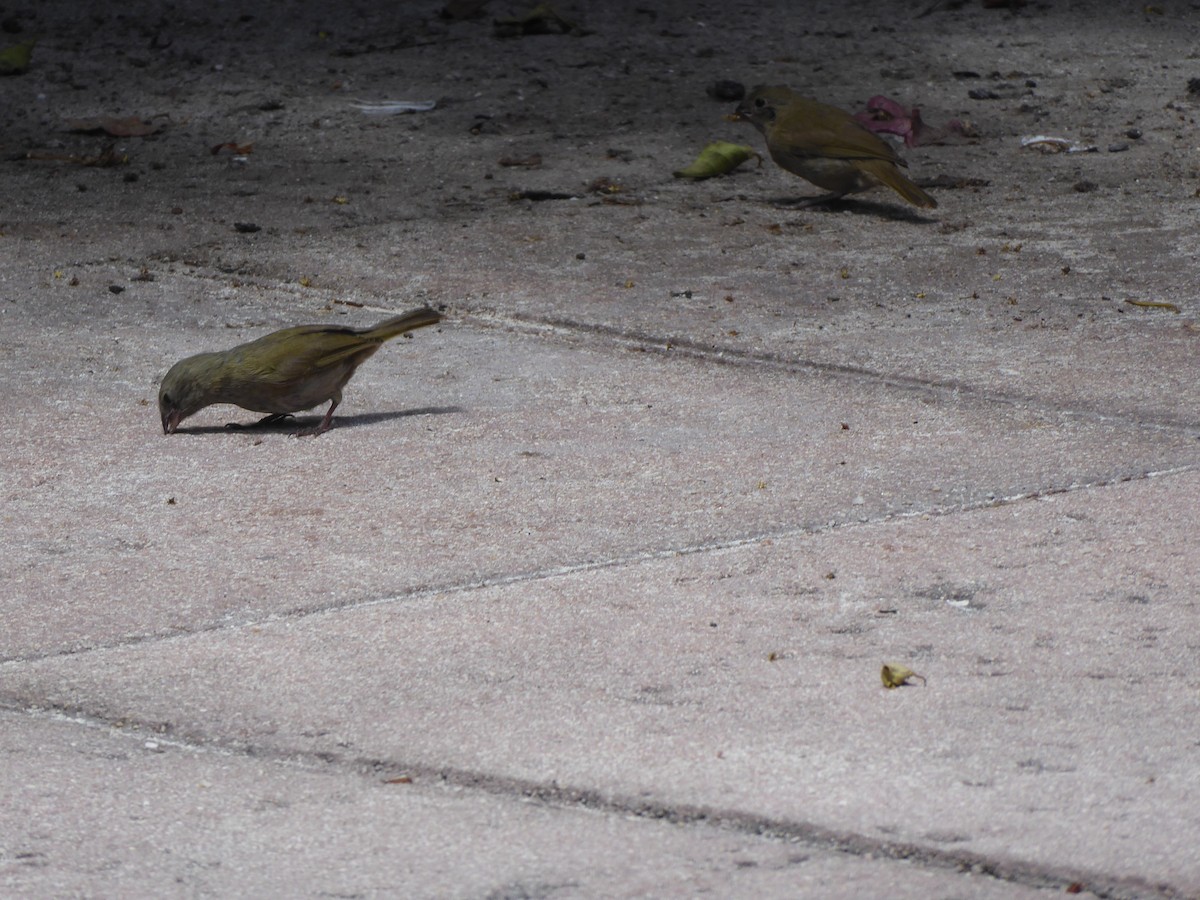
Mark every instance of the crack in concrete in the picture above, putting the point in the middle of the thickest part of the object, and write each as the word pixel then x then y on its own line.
pixel 687 348
pixel 569 797
pixel 636 557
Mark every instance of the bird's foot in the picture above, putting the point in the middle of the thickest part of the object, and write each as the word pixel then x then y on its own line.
pixel 325 424
pixel 314 431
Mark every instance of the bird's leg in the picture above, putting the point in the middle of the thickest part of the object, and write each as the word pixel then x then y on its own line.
pixel 326 423
pixel 272 419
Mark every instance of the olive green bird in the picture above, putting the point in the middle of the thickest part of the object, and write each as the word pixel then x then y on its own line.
pixel 281 373
pixel 825 145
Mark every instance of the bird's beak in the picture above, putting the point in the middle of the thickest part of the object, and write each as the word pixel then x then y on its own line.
pixel 170 421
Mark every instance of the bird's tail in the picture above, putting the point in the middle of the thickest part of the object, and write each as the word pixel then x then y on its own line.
pixel 397 325
pixel 887 173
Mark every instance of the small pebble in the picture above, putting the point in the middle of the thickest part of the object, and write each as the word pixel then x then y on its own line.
pixel 1117 148
pixel 1133 133
pixel 982 94
pixel 1085 186
pixel 726 91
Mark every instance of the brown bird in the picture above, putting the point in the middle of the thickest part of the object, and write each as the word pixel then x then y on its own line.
pixel 825 145
pixel 281 373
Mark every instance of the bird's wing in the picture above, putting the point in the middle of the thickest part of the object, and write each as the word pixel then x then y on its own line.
pixel 337 355
pixel 841 138
pixel 300 352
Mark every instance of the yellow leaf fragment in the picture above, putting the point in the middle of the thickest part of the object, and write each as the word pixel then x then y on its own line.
pixel 1154 304
pixel 15 60
pixel 894 675
pixel 718 158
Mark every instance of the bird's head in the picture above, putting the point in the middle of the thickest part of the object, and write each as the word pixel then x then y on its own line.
pixel 762 105
pixel 185 389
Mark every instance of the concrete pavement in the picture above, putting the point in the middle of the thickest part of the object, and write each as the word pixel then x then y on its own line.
pixel 588 592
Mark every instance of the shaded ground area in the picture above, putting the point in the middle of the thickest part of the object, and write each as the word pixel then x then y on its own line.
pixel 588 592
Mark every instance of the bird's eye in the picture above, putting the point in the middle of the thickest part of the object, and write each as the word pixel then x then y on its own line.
pixel 760 102
pixel 166 398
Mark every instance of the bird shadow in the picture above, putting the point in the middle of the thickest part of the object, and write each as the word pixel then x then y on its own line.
pixel 290 424
pixel 856 206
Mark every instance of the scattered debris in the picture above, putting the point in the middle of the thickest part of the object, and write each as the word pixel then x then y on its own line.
pixel 726 91
pixel 539 196
pixel 1155 304
pixel 953 182
pixel 392 107
pixel 718 158
pixel 129 126
pixel 886 115
pixel 463 9
pixel 533 161
pixel 234 148
pixel 542 19
pixel 604 185
pixel 15 60
pixel 102 160
pixel 957 4
pixel 486 124
pixel 1049 144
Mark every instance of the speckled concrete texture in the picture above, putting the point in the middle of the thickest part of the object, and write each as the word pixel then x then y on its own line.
pixel 588 591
